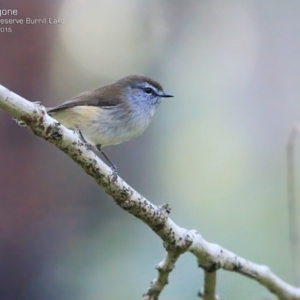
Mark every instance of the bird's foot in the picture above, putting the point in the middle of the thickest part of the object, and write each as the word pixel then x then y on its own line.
pixel 114 173
pixel 89 146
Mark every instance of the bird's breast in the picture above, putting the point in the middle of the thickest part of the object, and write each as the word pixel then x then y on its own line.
pixel 105 126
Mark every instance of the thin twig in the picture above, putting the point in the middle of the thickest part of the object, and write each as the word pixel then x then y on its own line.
pixel 164 268
pixel 293 226
pixel 209 290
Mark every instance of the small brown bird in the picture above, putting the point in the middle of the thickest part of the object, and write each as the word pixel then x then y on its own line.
pixel 113 113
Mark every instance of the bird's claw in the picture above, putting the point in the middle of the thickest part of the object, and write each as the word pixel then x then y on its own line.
pixel 114 173
pixel 88 146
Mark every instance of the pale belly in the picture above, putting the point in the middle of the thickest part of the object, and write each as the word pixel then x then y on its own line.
pixel 100 127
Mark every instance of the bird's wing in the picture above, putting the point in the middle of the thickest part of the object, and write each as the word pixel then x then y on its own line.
pixel 89 98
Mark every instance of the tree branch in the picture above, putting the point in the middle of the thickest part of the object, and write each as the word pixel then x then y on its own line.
pixel 176 240
pixel 293 226
pixel 209 290
pixel 164 268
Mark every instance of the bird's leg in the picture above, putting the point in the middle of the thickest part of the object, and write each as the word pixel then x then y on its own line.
pixel 111 164
pixel 98 147
pixel 88 145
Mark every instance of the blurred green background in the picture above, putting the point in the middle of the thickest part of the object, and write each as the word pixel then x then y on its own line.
pixel 216 153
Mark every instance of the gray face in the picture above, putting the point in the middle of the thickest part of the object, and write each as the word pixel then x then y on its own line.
pixel 146 94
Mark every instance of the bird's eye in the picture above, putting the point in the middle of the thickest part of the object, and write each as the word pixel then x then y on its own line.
pixel 149 91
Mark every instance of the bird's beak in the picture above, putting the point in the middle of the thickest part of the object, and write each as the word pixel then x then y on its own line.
pixel 164 95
